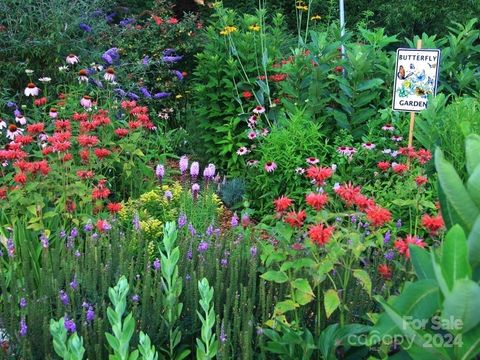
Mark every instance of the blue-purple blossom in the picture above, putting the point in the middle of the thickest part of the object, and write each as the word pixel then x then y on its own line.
pixel 44 241
pixel 253 251
pixel 172 59
pixel 136 222
pixel 90 314
pixel 202 247
pixel 386 237
pixel 156 264
pixel 182 220
pixel 85 27
pixel 70 243
pixel 224 262
pixel 178 74
pixel 63 296
pixel 23 327
pixel 120 92
pixel 389 255
pixel 63 234
pixel 168 195
pixel 11 104
pixel 94 236
pixel 74 232
pixel 74 283
pixel 189 254
pixel 194 169
pixel 234 220
pixel 162 95
pixel 133 96
pixel 23 303
pixel 192 230
pixel 96 82
pixel 353 219
pixel 160 172
pixel 399 223
pixel 145 60
pixel 88 226
pixel 126 22
pixel 169 51
pixel 17 113
pixel 135 298
pixel 10 247
pixel 145 92
pixel 70 325
pixel 209 231
pixel 223 336
pixel 111 56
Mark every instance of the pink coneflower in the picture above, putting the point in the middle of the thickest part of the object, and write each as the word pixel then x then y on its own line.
pixel 242 151
pixel 86 101
pixel 265 132
pixel 346 150
pixel 397 138
pixel 252 162
pixel 13 131
pixel 31 90
pixel 72 59
pixel 53 113
pixel 22 120
pixel 109 74
pixel 252 135
pixel 252 121
pixel 270 166
pixel 368 146
pixel 388 127
pixel 258 110
pixel 312 160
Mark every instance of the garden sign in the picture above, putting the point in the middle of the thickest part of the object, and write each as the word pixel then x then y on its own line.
pixel 416 75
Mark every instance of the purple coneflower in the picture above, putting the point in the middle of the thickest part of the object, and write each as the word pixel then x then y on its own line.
pixel 258 110
pixel 270 166
pixel 31 90
pixel 109 74
pixel 86 101
pixel 312 160
pixel 71 59
pixel 22 120
pixel 242 151
pixel 368 146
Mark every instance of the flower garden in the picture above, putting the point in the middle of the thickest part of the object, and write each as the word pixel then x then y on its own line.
pixel 232 182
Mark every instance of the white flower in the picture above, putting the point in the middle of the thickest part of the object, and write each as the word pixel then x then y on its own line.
pixel 45 79
pixel 3 124
pixel 63 68
pixel 109 74
pixel 259 110
pixel 29 72
pixel 21 120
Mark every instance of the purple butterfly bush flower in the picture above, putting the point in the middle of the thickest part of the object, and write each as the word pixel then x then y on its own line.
pixel 195 190
pixel 70 325
pixel 88 226
pixel 162 95
pixel 133 96
pixel 111 56
pixel 23 327
pixel 169 51
pixel 178 74
pixel 74 283
pixel 85 27
pixel 192 230
pixel 209 231
pixel 172 59
pixel 389 255
pixel 135 298
pixel 145 60
pixel 120 92
pixel 145 92
pixel 253 251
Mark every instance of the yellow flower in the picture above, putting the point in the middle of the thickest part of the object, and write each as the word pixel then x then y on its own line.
pixel 178 96
pixel 223 32
pixel 300 5
pixel 228 30
pixel 254 27
pixel 316 17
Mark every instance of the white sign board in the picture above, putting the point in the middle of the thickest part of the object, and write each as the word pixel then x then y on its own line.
pixel 416 75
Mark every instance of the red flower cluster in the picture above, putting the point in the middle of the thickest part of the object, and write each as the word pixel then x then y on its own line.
pixel 402 244
pixel 319 174
pixel 384 271
pixel 378 216
pixel 100 191
pixel 422 155
pixel 114 207
pixel 320 234
pixel 295 219
pixel 316 201
pixel 282 203
pixel 433 223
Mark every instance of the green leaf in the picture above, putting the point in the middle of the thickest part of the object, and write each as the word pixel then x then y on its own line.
pixel 463 303
pixel 455 191
pixel 284 306
pixel 470 346
pixel 473 185
pixel 275 276
pixel 332 301
pixel 422 263
pixel 455 258
pixel 364 279
pixel 369 84
pixel 474 244
pixel 472 150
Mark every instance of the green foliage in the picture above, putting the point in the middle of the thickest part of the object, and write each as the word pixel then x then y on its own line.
pixel 67 347
pixel 290 143
pixel 207 345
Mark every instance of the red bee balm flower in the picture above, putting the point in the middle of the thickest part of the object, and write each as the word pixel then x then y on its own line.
pixel 400 168
pixel 383 165
pixel 384 271
pixel 378 216
pixel 316 201
pixel 100 191
pixel 433 223
pixel 319 174
pixel 114 207
pixel 320 234
pixel 101 153
pixel 402 245
pixel 295 219
pixel 282 203
pixel 420 180
pixel 247 95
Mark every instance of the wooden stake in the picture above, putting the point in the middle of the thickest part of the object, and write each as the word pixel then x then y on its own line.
pixel 412 114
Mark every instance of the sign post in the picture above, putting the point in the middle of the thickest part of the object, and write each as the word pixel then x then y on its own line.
pixel 416 76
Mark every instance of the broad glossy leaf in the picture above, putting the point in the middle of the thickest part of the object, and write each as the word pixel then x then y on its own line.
pixel 331 301
pixel 454 257
pixel 474 244
pixel 472 151
pixel 463 303
pixel 422 263
pixel 275 276
pixel 470 346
